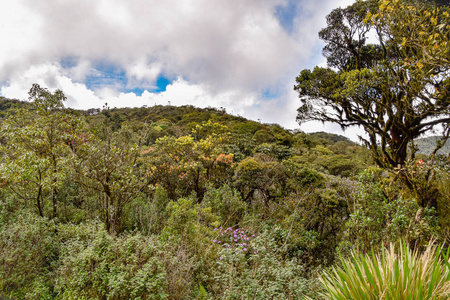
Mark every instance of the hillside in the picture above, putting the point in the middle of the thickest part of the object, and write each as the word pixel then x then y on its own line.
pixel 427 145
pixel 180 120
pixel 185 202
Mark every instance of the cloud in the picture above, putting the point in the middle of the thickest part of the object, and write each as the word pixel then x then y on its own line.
pixel 230 54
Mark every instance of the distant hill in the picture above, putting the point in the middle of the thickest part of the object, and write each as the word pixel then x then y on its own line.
pixel 9 105
pixel 331 137
pixel 428 144
pixel 181 119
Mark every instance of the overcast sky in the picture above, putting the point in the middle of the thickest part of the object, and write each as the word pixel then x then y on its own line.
pixel 242 55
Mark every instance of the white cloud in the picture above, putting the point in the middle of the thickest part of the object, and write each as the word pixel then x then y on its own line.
pixel 224 53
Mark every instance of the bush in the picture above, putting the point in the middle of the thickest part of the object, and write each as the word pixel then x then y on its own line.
pixel 257 270
pixel 96 265
pixel 148 214
pixel 226 203
pixel 28 256
pixel 376 219
pixel 401 274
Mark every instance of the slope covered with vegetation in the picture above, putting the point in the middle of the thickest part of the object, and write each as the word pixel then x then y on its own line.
pixel 171 202
pixel 180 202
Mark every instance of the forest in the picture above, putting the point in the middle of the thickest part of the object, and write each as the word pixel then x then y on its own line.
pixel 168 202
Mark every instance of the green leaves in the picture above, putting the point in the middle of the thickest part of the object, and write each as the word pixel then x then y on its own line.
pixel 395 273
pixel 395 89
pixel 40 144
pixel 45 101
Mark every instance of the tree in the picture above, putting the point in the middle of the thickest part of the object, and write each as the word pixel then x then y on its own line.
pixel 428 32
pixel 38 148
pixel 392 88
pixel 187 164
pixel 107 167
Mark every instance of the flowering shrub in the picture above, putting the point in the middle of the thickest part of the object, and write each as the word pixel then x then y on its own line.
pixel 225 158
pixel 237 240
pixel 252 268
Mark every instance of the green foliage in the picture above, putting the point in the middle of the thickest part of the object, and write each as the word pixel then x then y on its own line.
pixel 29 252
pixel 263 136
pixel 383 87
pixel 330 137
pixel 148 215
pixel 261 274
pixel 10 106
pixel 377 219
pixel 279 152
pixel 96 265
pixel 260 175
pixel 399 273
pixel 338 165
pixel 141 195
pixel 107 170
pixel 443 204
pixel 248 127
pixel 39 146
pixel 226 203
pixel 190 254
pixel 184 165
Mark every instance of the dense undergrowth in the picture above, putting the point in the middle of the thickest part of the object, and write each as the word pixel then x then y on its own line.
pixel 187 203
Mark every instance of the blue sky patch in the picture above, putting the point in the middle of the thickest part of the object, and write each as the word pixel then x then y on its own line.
pixel 286 14
pixel 136 91
pixel 269 94
pixel 106 74
pixel 161 84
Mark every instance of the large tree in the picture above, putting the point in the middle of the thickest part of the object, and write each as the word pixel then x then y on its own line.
pixel 38 144
pixel 396 88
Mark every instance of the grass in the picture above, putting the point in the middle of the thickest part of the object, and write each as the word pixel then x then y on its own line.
pixel 399 273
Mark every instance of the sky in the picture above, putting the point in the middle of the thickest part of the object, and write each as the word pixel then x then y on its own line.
pixel 241 55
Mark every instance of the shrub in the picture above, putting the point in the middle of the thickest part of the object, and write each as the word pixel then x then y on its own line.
pixel 148 214
pixel 96 265
pixel 257 270
pixel 28 256
pixel 401 274
pixel 188 256
pixel 226 203
pixel 378 219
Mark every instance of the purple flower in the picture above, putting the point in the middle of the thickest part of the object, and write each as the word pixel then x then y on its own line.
pixel 220 258
pixel 245 249
pixel 214 241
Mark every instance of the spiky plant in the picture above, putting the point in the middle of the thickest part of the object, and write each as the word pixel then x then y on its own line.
pixel 393 274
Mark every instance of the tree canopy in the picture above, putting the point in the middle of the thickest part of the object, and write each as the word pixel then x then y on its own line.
pixel 396 88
